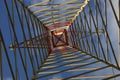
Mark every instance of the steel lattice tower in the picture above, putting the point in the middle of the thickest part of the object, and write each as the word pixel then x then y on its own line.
pixel 59 39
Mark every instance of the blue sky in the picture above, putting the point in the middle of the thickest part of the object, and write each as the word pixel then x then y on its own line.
pixel 5 27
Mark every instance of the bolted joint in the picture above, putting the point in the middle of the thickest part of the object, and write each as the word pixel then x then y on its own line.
pixel 11 47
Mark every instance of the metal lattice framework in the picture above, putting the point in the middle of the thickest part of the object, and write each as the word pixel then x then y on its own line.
pixel 91 33
pixel 50 10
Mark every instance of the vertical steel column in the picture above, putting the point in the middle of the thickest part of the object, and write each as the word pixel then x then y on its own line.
pixel 26 45
pixel 119 35
pixel 48 40
pixel 1 70
pixel 113 9
pixel 66 37
pixel 97 32
pixel 37 26
pixel 52 39
pixel 90 26
pixel 98 50
pixel 69 36
pixel 48 46
pixel 41 51
pixel 72 39
pixel 23 31
pixel 7 56
pixel 42 36
pixel 78 21
pixel 90 31
pixel 73 35
pixel 85 32
pixel 16 66
pixel 30 35
pixel 113 52
pixel 105 8
pixel 78 32
pixel 74 28
pixel 20 53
